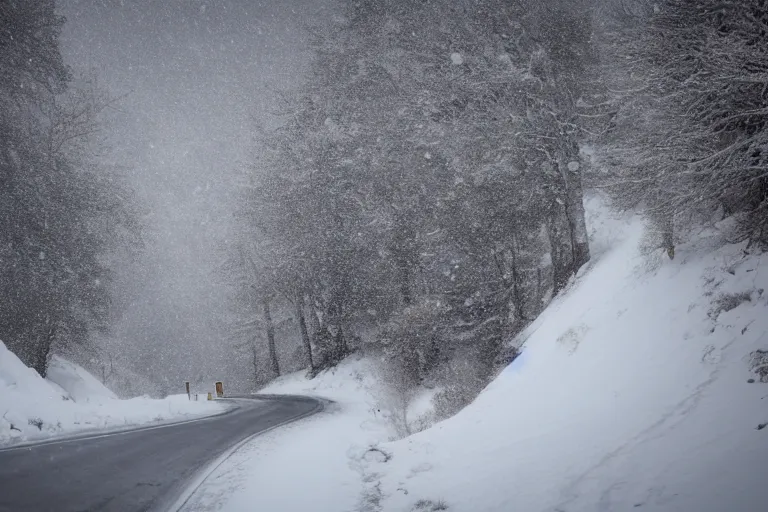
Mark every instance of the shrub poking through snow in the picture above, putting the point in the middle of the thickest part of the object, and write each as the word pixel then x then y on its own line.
pixel 463 379
pixel 759 364
pixel 451 400
pixel 412 340
pixel 429 506
pixel 727 301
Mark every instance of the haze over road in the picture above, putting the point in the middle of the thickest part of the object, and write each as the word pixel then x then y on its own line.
pixel 140 470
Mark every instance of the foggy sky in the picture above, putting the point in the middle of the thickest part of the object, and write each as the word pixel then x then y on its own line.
pixel 196 75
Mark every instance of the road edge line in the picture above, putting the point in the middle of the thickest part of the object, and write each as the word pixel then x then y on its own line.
pixel 100 433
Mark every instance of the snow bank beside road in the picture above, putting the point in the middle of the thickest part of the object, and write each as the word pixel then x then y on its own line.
pixel 80 385
pixel 308 465
pixel 632 393
pixel 72 401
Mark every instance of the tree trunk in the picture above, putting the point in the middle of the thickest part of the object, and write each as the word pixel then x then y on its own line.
pixel 271 339
pixel 570 171
pixel 303 327
pixel 404 248
pixel 405 282
pixel 336 312
pixel 42 351
pixel 560 247
pixel 666 223
pixel 341 343
pixel 517 295
pixel 255 363
pixel 538 305
pixel 40 365
pixel 314 321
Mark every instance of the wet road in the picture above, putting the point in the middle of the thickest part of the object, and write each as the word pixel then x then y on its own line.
pixel 140 470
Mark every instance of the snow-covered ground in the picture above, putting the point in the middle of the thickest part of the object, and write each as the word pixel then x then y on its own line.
pixel 632 392
pixel 71 401
pixel 307 465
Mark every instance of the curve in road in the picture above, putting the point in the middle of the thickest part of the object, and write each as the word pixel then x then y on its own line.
pixel 138 470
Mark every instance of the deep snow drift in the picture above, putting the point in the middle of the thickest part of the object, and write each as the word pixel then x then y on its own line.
pixel 632 392
pixel 71 400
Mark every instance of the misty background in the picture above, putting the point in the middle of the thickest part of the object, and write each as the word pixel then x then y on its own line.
pixel 193 78
pixel 402 179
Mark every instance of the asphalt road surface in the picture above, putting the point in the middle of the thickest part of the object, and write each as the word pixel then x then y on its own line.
pixel 140 470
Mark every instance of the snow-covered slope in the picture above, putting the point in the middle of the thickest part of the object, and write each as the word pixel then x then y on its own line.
pixel 80 385
pixel 631 393
pixel 72 400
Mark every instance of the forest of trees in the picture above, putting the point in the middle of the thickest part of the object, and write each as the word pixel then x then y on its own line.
pixel 423 199
pixel 62 209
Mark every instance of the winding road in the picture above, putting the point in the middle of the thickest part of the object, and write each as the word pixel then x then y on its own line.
pixel 146 469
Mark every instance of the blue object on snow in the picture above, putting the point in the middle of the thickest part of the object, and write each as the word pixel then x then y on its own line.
pixel 517 364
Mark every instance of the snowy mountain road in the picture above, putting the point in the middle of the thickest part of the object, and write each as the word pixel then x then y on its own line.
pixel 146 469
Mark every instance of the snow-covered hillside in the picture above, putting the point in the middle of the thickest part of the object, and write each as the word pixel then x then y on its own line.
pixel 72 400
pixel 636 389
pixel 632 392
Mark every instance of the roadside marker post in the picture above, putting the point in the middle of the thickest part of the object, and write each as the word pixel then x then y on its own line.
pixel 219 389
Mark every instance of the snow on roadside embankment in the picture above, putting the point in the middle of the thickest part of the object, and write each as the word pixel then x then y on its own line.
pixel 71 400
pixel 306 465
pixel 632 393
